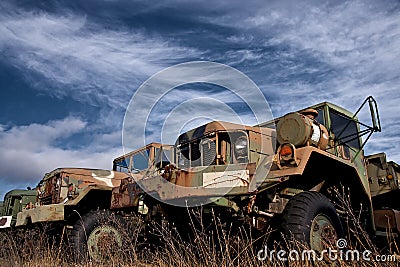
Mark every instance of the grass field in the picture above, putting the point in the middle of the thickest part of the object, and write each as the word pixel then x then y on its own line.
pixel 227 248
pixel 213 245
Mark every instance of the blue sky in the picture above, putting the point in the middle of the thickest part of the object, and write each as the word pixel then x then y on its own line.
pixel 69 68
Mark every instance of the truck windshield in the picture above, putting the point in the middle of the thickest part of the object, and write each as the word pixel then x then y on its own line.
pixel 140 161
pixel 152 155
pixel 163 156
pixel 135 163
pixel 122 165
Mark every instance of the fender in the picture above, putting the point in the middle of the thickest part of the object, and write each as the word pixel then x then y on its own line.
pixel 56 212
pixel 316 163
pixel 316 166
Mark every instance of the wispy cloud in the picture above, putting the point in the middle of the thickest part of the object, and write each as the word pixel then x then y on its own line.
pixel 311 52
pixel 356 43
pixel 79 58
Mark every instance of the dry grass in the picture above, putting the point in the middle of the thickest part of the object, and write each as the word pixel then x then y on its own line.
pixel 223 246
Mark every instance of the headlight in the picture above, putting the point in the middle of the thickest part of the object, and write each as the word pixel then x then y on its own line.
pixel 241 147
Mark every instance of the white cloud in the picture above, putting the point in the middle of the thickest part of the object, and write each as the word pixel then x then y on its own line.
pixel 36 136
pixel 28 152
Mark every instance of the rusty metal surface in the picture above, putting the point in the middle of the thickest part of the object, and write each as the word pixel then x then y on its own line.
pixel 126 195
pixel 183 183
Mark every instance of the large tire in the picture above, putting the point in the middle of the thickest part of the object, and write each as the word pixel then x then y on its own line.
pixel 97 236
pixel 310 218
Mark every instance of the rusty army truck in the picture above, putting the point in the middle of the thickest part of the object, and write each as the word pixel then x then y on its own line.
pixel 14 201
pixel 290 176
pixel 154 158
pixel 73 201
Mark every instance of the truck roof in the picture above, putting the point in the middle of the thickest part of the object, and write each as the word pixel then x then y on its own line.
pixel 153 144
pixel 317 106
pixel 333 106
pixel 86 172
pixel 20 192
pixel 216 126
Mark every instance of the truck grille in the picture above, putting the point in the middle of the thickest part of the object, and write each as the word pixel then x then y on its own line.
pixel 209 153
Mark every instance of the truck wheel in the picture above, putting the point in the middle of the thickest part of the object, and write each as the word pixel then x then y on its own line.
pixel 97 236
pixel 310 218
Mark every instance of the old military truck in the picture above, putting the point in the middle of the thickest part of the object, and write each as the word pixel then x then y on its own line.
pixel 153 155
pixel 264 176
pixel 154 158
pixel 14 202
pixel 76 200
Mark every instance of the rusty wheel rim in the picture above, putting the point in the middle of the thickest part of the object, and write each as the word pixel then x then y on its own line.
pixel 102 241
pixel 322 233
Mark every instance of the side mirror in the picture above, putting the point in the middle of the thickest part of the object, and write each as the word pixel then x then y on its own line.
pixel 376 123
pixel 373 107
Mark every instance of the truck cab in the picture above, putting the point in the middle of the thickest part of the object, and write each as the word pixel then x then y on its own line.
pixel 147 157
pixel 148 160
pixel 14 202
